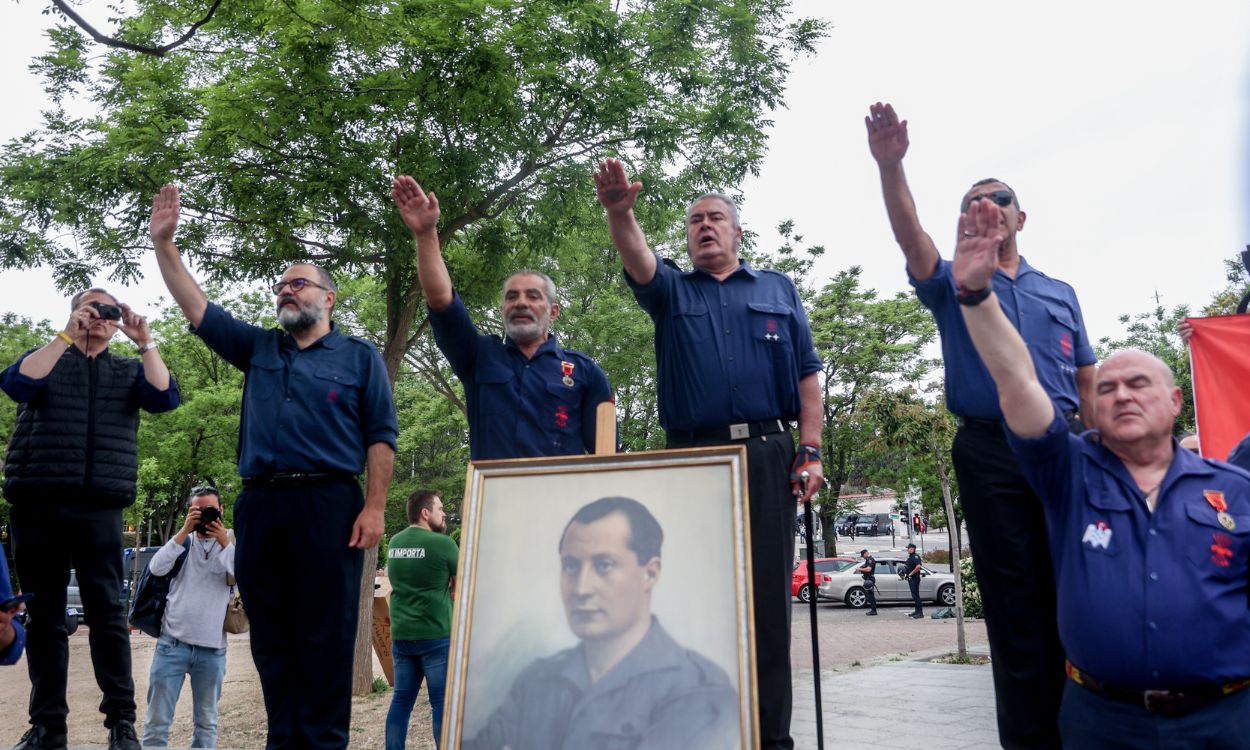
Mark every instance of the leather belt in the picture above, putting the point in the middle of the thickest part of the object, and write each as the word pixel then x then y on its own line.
pixel 298 479
pixel 1163 702
pixel 728 433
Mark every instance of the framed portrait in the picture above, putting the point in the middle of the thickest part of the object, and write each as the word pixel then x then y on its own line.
pixel 604 602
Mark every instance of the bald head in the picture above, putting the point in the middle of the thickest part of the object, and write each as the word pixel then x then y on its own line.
pixel 1136 401
pixel 1136 358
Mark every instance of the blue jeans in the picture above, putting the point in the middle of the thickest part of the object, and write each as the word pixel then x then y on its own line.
pixel 173 661
pixel 1092 722
pixel 415 661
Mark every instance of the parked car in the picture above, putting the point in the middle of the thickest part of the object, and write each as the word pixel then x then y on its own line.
pixel 72 617
pixel 873 524
pixel 799 587
pixel 848 586
pixel 73 597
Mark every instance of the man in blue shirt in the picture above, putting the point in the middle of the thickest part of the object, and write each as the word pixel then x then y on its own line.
pixel 70 471
pixel 317 411
pixel 1004 518
pixel 1150 543
pixel 526 395
pixel 735 364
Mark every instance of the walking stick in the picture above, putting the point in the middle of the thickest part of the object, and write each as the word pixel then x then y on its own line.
pixel 813 587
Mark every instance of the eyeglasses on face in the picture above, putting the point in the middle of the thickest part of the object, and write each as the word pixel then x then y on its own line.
pixel 296 285
pixel 1003 198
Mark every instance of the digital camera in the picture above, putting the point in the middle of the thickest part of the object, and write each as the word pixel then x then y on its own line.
pixel 208 514
pixel 107 311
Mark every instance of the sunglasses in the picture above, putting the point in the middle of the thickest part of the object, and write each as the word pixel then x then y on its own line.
pixel 1003 198
pixel 295 284
pixel 203 489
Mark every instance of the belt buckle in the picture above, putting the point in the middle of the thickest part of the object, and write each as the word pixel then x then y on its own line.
pixel 1162 701
pixel 739 431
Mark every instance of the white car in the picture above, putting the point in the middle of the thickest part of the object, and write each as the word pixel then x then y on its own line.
pixel 848 586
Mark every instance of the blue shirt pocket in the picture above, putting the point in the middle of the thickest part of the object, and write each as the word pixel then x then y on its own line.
pixel 496 391
pixel 1216 551
pixel 691 323
pixel 337 388
pixel 1107 521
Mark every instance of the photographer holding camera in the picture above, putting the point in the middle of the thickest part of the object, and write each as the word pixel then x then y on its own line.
pixel 193 641
pixel 71 468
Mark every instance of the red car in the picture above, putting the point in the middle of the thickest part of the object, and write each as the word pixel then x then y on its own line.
pixel 799 587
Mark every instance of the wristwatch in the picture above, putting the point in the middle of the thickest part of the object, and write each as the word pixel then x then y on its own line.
pixel 147 347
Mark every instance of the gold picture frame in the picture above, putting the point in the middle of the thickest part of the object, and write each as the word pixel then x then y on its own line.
pixel 510 614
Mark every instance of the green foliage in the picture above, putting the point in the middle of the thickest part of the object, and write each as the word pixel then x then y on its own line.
pixel 971 589
pixel 284 123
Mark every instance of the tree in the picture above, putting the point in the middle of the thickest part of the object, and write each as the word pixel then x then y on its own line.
pixel 284 124
pixel 864 343
pixel 925 430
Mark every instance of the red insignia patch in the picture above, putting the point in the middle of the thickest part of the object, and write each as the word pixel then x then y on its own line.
pixel 562 416
pixel 333 396
pixel 1065 343
pixel 1221 551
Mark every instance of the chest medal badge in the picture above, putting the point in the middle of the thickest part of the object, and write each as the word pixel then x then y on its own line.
pixel 567 367
pixel 1216 499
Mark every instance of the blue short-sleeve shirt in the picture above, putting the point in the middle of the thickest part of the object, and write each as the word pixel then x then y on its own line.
pixel 1146 600
pixel 1042 309
pixel 726 351
pixel 316 409
pixel 520 407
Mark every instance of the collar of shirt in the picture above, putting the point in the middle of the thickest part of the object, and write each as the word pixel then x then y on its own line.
pixel 743 267
pixel 550 346
pixel 332 340
pixel 657 650
pixel 1183 464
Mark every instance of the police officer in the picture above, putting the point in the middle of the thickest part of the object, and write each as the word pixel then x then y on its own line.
pixel 913 572
pixel 1151 543
pixel 317 411
pixel 868 570
pixel 735 364
pixel 1004 516
pixel 527 395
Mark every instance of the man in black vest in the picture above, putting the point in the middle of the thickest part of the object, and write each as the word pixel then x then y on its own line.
pixel 70 470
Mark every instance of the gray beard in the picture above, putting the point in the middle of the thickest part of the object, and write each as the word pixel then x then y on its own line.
pixel 298 320
pixel 523 331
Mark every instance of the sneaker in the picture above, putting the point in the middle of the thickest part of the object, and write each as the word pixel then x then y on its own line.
pixel 872 613
pixel 917 615
pixel 122 736
pixel 39 738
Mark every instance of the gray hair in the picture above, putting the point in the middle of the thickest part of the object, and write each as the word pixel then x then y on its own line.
pixel 549 286
pixel 323 276
pixel 733 207
pixel 77 299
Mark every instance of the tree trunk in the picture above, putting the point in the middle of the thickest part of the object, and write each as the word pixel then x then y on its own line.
pixel 961 639
pixel 362 662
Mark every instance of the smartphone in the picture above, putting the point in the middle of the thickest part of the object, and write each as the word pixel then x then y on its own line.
pixel 10 604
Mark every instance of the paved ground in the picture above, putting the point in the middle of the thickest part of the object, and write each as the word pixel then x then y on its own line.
pixel 904 704
pixel 870 668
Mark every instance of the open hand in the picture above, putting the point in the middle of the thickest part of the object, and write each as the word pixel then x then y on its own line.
pixel 134 325
pixel 976 255
pixel 165 210
pixel 418 209
pixel 615 191
pixel 887 136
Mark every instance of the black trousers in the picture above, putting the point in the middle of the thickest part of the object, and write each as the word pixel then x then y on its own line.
pixel 1012 560
pixel 772 512
pixel 914 584
pixel 49 538
pixel 300 584
pixel 870 591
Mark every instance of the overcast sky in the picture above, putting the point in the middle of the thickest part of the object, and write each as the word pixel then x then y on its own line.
pixel 1124 130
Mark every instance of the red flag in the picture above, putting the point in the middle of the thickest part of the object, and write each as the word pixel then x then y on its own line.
pixel 1219 357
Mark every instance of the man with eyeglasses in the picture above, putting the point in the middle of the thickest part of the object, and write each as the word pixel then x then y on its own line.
pixel 70 471
pixel 1004 515
pixel 526 395
pixel 317 411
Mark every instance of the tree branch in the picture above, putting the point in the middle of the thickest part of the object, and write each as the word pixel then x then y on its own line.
pixel 160 51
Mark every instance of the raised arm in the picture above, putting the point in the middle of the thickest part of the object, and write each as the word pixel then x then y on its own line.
pixel 1026 407
pixel 887 140
pixel 618 195
pixel 187 293
pixel 420 213
pixel 40 362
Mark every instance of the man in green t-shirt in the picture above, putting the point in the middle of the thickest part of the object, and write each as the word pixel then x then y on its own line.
pixel 421 564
